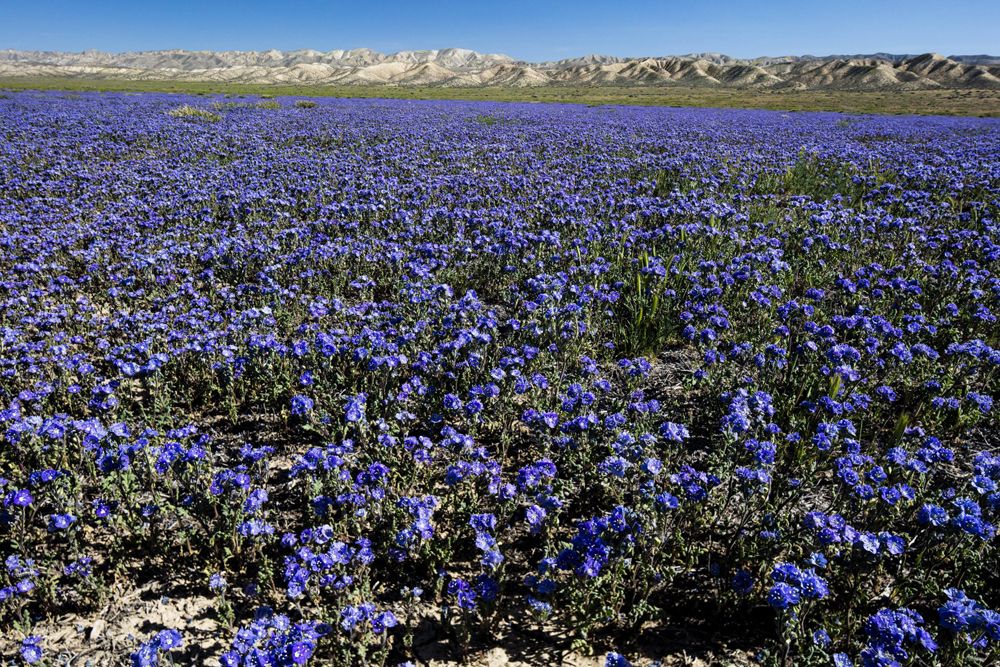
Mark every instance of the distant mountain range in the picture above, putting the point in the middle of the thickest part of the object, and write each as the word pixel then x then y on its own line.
pixel 462 67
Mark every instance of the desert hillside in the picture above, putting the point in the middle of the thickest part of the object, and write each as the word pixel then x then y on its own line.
pixel 466 68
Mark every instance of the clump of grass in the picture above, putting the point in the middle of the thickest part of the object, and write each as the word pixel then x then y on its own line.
pixel 264 104
pixel 847 122
pixel 816 177
pixel 226 106
pixel 306 104
pixel 488 119
pixel 668 180
pixel 187 111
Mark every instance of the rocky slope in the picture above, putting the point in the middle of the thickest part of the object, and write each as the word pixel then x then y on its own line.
pixel 462 67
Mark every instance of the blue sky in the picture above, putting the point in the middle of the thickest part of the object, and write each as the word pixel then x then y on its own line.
pixel 530 30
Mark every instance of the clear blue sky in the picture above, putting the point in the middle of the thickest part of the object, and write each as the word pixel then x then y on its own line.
pixel 530 30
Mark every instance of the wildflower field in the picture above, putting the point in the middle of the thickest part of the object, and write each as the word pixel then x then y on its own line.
pixel 339 381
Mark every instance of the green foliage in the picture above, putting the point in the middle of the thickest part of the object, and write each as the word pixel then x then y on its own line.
pixel 821 179
pixel 188 112
pixel 983 103
pixel 668 180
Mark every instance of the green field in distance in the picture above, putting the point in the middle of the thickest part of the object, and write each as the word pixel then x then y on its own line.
pixel 962 102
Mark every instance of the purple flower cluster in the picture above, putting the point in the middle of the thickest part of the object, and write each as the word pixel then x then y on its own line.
pixel 272 640
pixel 537 362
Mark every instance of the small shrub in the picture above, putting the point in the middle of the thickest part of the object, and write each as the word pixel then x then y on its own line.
pixel 268 104
pixel 306 104
pixel 187 111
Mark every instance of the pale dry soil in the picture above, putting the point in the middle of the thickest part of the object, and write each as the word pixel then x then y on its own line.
pixel 106 637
